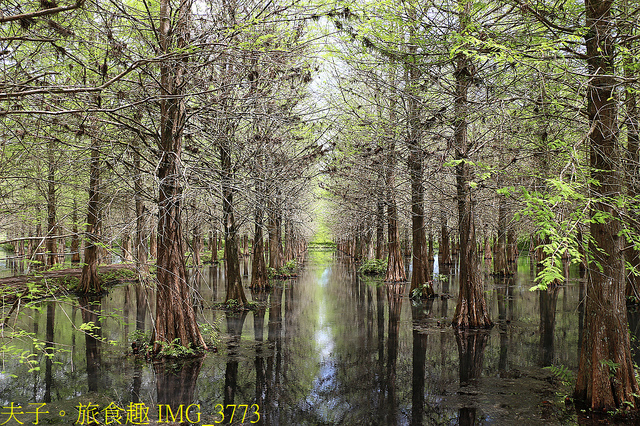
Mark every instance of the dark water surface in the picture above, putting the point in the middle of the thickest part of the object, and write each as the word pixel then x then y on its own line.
pixel 326 348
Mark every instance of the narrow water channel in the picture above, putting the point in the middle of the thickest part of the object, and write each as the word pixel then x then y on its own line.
pixel 327 348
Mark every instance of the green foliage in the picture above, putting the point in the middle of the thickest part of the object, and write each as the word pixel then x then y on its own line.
pixel 233 305
pixel 69 282
pixel 8 247
pixel 140 335
pixel 271 272
pixel 212 332
pixel 373 267
pixel 289 267
pixel 558 233
pixel 612 366
pixel 175 350
pixel 322 236
pixel 565 375
pixel 58 267
pixel 288 270
pixel 420 292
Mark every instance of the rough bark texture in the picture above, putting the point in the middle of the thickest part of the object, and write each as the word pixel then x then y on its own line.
pixel 234 290
pixel 420 277
pixel 175 316
pixel 276 257
pixel 153 243
pixel 606 377
pixel 444 252
pixel 127 254
pixel 487 249
pixel 259 278
pixel 288 241
pixel 395 265
pixel 512 247
pixel 471 310
pixel 500 265
pixel 245 245
pixel 89 281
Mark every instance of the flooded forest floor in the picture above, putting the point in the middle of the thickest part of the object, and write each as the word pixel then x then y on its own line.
pixel 328 347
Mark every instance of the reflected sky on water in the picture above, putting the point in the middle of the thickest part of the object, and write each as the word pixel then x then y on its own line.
pixel 329 347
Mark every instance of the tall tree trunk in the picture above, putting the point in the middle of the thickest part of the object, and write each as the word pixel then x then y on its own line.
pixel 420 277
pixel 259 278
pixel 487 249
pixel 141 231
pixel 175 317
pixel 89 280
pixel 444 252
pixel 245 245
pixel 500 264
pixel 471 310
pixel 127 255
pixel 196 245
pixel 234 290
pixel 276 257
pixel 395 264
pixel 606 376
pixel 512 246
pixel 379 229
pixel 153 243
pixel 52 249
pixel 288 241
pixel 632 254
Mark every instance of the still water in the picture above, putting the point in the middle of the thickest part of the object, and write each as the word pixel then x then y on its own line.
pixel 326 348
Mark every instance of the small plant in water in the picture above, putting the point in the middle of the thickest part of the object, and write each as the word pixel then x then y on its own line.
pixel 373 267
pixel 420 292
pixel 211 332
pixel 175 350
pixel 562 373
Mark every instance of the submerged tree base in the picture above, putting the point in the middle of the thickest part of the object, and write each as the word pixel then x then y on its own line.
pixel 56 282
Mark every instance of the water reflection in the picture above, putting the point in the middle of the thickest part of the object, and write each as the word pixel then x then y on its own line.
pixel 420 312
pixel 327 348
pixel 548 302
pixel 504 293
pixel 471 347
pixel 235 323
pixel 176 389
pixel 90 308
pixel 49 351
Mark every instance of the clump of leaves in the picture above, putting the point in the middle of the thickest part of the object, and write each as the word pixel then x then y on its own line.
pixel 373 267
pixel 421 292
pixel 211 332
pixel 234 306
pixel 118 275
pixel 8 247
pixel 175 350
pixel 562 373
